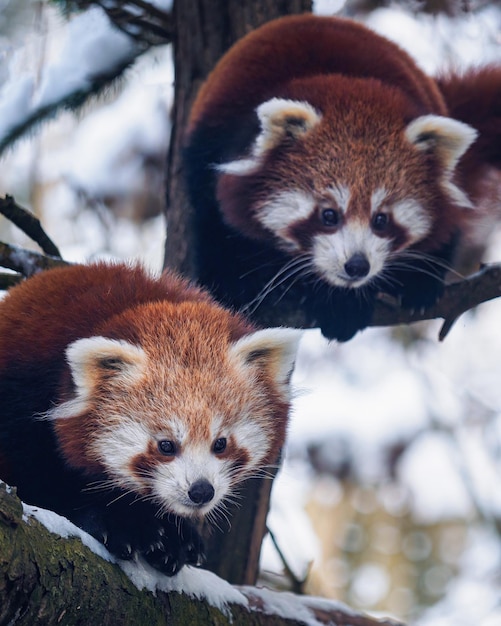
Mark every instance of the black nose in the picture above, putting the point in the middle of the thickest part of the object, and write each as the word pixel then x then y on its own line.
pixel 358 266
pixel 201 492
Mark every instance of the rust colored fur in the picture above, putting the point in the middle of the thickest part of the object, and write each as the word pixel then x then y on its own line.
pixel 307 103
pixel 130 404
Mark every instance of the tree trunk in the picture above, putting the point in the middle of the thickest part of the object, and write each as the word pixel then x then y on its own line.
pixel 204 30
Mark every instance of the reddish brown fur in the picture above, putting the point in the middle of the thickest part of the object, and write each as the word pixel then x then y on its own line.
pixel 165 316
pixel 300 46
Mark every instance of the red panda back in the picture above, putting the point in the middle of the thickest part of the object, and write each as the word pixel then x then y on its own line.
pixel 300 46
pixel 53 308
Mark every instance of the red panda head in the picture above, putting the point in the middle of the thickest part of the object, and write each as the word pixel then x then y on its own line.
pixel 347 174
pixel 169 404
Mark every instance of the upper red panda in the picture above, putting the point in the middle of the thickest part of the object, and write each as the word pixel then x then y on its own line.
pixel 324 166
pixel 131 405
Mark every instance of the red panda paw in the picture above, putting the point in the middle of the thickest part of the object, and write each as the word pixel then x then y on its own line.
pixel 179 545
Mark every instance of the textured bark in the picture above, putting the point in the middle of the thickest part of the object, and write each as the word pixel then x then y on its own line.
pixel 45 580
pixel 204 30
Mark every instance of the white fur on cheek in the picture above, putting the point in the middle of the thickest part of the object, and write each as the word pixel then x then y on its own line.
pixel 118 445
pixel 410 215
pixel 283 210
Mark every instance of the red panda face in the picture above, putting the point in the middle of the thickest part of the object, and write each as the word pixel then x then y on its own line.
pixel 341 180
pixel 180 415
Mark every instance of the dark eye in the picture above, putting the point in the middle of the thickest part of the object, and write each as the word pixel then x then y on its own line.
pixel 380 221
pixel 219 445
pixel 330 217
pixel 166 447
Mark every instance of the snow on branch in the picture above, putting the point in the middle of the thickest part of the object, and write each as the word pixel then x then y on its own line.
pixel 149 22
pixel 95 54
pixel 52 572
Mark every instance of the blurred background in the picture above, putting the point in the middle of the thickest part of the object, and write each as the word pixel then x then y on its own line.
pixel 389 497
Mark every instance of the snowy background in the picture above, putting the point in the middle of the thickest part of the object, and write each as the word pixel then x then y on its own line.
pixel 389 495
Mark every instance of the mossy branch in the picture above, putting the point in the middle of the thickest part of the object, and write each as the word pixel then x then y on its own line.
pixel 47 579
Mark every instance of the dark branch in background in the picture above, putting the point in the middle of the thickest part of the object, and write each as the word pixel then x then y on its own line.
pixel 139 19
pixel 25 262
pixel 71 102
pixel 29 224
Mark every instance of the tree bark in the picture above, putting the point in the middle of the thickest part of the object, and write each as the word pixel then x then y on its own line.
pixel 204 30
pixel 45 580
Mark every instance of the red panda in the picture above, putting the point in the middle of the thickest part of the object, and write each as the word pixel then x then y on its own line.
pixel 133 405
pixel 324 167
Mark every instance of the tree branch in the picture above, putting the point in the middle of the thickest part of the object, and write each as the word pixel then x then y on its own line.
pixel 29 224
pixel 45 578
pixel 459 297
pixel 26 262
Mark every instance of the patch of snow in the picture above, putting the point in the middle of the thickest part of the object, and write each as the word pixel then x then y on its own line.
pixel 61 526
pixel 195 582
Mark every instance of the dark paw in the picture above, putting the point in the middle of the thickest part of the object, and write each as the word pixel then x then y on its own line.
pixel 343 314
pixel 420 293
pixel 172 552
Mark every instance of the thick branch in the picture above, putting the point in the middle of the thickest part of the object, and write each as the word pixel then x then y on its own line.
pixel 458 298
pixel 47 579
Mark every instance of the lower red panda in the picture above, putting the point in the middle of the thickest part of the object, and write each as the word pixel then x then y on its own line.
pixel 134 405
pixel 324 167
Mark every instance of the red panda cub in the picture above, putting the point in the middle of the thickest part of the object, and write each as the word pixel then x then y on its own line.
pixel 133 405
pixel 325 167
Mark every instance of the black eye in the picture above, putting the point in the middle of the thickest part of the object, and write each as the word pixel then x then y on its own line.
pixel 219 445
pixel 330 217
pixel 380 221
pixel 166 447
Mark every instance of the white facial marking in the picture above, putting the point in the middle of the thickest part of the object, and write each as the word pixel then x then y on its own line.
pixel 284 209
pixel 172 480
pixel 377 198
pixel 341 195
pixel 410 215
pixel 332 251
pixel 118 445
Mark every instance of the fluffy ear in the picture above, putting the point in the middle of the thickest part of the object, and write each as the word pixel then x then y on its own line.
pixel 95 358
pixel 279 118
pixel 448 139
pixel 282 118
pixel 272 349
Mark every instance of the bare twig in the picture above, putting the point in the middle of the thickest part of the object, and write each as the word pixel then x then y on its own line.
pixel 139 19
pixel 26 262
pixel 29 224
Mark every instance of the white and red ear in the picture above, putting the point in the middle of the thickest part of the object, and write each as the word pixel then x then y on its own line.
pixel 448 139
pixel 280 118
pixel 94 358
pixel 272 349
